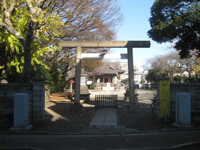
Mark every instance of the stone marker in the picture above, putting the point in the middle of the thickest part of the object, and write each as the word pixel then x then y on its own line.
pixel 183 110
pixel 21 121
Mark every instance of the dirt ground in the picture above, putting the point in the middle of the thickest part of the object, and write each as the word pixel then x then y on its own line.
pixel 59 118
pixel 142 120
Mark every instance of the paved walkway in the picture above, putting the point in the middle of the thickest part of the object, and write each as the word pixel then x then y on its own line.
pixel 104 117
pixel 105 122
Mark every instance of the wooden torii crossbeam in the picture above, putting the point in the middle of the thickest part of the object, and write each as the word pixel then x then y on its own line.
pixel 105 44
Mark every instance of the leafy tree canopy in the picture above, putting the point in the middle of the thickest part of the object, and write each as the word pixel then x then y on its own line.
pixel 176 20
pixel 27 27
pixel 30 30
pixel 154 73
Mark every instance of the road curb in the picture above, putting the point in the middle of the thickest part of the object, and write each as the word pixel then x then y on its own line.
pixel 98 131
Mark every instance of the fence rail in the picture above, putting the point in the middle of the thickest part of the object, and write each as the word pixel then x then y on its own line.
pixel 106 101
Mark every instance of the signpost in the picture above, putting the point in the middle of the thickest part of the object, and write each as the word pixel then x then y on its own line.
pixel 164 98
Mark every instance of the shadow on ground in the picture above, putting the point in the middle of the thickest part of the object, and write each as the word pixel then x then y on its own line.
pixel 142 120
pixel 59 118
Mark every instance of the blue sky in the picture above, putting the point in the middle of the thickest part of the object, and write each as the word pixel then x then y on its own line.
pixel 136 14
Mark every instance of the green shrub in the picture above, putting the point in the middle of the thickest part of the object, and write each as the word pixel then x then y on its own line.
pixel 125 81
pixel 41 71
pixel 142 81
pixel 59 86
pixel 93 85
pixel 177 78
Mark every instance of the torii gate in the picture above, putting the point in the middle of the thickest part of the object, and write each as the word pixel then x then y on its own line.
pixel 105 44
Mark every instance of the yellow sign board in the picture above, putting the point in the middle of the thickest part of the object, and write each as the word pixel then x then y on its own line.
pixel 164 98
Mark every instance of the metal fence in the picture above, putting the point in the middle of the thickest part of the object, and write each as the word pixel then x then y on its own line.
pixel 106 101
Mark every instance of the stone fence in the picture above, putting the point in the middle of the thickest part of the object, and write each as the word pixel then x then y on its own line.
pixel 36 97
pixel 194 90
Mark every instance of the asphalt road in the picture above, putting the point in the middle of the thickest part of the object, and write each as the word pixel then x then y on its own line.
pixel 161 140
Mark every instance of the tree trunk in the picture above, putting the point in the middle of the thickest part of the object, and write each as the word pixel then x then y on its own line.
pixel 171 76
pixel 2 59
pixel 197 78
pixel 190 78
pixel 27 53
pixel 93 77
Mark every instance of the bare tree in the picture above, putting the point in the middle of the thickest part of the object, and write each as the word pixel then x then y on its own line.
pixel 167 64
pixel 191 65
pixel 171 64
pixel 86 20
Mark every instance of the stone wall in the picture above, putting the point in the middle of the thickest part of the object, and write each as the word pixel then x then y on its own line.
pixel 7 92
pixel 38 100
pixel 36 96
pixel 194 90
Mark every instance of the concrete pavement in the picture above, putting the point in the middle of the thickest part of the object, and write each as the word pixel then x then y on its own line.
pixel 104 117
pixel 104 122
pixel 147 141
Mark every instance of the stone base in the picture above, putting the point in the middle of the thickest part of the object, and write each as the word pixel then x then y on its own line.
pixel 108 88
pixel 27 128
pixel 86 97
pixel 183 126
pixel 76 107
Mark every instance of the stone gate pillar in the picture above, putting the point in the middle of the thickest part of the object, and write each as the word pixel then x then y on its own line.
pixel 77 79
pixel 38 105
pixel 131 80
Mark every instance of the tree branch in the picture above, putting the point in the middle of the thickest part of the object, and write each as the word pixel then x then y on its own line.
pixel 7 22
pixel 31 8
pixel 2 24
pixel 39 30
pixel 4 5
pixel 11 6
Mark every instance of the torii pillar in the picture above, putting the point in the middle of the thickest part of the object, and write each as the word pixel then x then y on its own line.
pixel 131 82
pixel 105 44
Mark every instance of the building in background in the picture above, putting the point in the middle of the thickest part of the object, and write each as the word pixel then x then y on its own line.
pixel 108 75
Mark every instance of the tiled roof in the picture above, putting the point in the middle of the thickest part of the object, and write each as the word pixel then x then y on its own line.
pixel 109 68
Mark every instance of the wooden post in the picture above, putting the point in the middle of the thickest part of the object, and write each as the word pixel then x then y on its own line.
pixel 131 79
pixel 77 76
